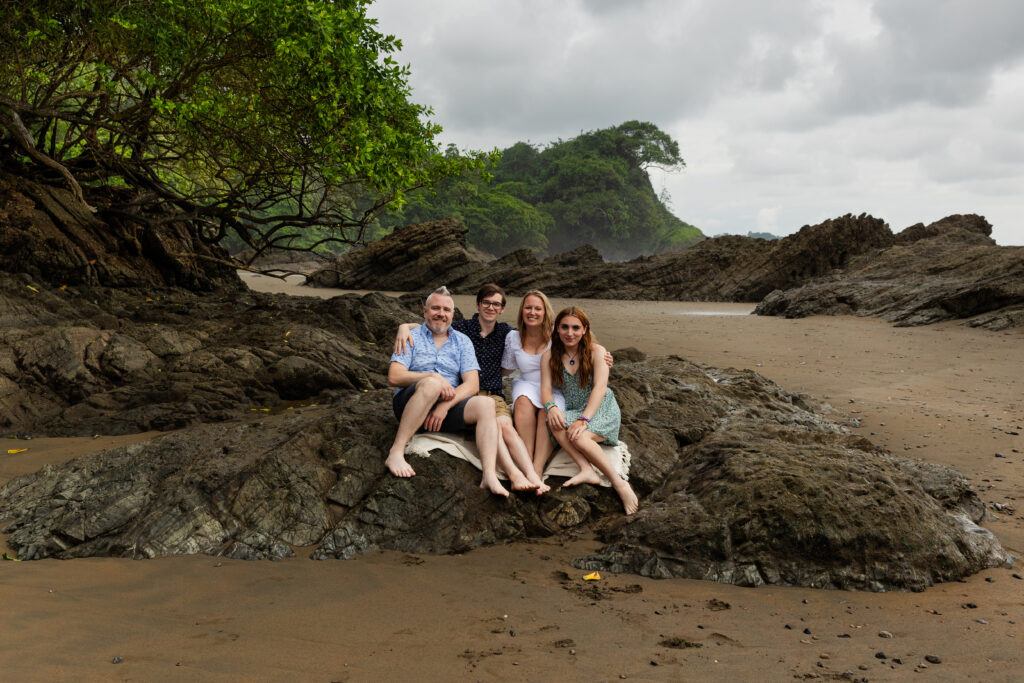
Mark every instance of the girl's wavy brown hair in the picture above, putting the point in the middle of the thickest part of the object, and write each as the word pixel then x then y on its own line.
pixel 585 354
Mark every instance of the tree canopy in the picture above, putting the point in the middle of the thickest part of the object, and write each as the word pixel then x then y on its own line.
pixel 591 189
pixel 263 117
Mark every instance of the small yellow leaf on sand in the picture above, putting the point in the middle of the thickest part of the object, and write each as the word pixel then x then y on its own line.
pixel 12 559
pixel 287 333
pixel 32 288
pixel 593 576
pixel 16 450
pixel 63 287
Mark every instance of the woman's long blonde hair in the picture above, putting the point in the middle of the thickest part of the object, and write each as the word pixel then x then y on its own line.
pixel 546 325
pixel 585 354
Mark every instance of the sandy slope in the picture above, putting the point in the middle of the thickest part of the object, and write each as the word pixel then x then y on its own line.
pixel 942 393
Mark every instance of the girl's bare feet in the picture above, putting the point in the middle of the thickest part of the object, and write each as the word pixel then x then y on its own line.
pixel 587 475
pixel 629 499
pixel 491 483
pixel 520 482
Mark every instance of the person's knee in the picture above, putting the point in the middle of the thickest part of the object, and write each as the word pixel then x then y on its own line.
pixel 430 386
pixel 480 408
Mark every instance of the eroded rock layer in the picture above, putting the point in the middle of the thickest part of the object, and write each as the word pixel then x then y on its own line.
pixel 949 270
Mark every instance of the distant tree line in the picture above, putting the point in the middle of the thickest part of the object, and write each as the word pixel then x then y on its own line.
pixel 592 189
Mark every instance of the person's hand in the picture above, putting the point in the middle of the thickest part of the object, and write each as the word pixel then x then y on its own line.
pixel 576 429
pixel 402 338
pixel 609 358
pixel 556 421
pixel 436 417
pixel 447 390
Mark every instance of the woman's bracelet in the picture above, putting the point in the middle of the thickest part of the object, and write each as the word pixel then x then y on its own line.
pixel 584 418
pixel 548 406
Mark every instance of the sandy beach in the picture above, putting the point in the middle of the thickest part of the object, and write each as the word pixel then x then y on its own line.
pixel 942 393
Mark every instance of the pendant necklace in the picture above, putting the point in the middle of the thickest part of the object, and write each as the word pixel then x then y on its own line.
pixel 572 358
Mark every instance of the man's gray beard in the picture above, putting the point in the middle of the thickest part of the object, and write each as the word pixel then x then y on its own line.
pixel 430 326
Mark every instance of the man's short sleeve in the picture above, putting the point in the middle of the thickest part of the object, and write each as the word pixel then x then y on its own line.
pixel 467 355
pixel 405 358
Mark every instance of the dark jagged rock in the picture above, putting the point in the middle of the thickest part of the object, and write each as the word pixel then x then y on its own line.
pixel 720 269
pixel 83 361
pixel 739 482
pixel 948 270
pixel 414 257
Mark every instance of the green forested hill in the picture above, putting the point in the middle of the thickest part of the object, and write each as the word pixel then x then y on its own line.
pixel 591 189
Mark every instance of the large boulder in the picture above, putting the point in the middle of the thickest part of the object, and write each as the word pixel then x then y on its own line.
pixel 948 270
pixel 739 482
pixel 418 256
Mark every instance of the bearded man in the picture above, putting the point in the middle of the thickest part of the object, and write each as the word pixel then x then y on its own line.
pixel 437 382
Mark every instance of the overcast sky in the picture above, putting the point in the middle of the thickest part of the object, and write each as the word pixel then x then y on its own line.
pixel 787 113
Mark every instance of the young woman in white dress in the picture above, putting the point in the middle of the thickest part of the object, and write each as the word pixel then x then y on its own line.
pixel 524 347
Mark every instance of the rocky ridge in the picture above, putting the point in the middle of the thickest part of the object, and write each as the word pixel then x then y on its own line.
pixel 948 270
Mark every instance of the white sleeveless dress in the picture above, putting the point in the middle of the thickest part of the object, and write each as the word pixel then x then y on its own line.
pixel 528 382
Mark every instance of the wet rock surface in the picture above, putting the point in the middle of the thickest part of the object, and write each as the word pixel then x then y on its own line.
pixel 739 482
pixel 948 270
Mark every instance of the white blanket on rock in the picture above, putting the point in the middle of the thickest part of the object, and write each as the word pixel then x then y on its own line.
pixel 560 465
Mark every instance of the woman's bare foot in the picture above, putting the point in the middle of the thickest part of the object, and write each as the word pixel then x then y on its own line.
pixel 399 467
pixel 542 489
pixel 587 475
pixel 629 499
pixel 494 486
pixel 520 482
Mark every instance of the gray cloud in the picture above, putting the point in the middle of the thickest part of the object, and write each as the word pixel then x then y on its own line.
pixel 792 111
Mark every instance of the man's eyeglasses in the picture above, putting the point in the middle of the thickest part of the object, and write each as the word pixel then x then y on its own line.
pixel 492 304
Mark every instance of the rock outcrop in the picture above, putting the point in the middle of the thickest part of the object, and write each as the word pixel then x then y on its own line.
pixel 415 257
pixel 78 361
pixel 739 481
pixel 719 269
pixel 48 235
pixel 948 270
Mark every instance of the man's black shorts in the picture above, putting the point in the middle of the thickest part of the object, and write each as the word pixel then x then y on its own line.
pixel 453 422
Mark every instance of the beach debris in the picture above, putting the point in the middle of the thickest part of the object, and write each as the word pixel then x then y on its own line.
pixel 116 660
pixel 11 451
pixel 9 558
pixel 933 659
pixel 592 576
pixel 885 634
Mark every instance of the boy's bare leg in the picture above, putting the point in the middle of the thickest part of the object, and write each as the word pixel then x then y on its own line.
pixel 425 395
pixel 480 412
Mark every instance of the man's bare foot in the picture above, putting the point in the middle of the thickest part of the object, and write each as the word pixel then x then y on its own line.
pixel 585 476
pixel 494 486
pixel 399 467
pixel 629 499
pixel 520 482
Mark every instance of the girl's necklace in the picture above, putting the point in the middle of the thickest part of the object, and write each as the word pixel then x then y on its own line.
pixel 572 358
